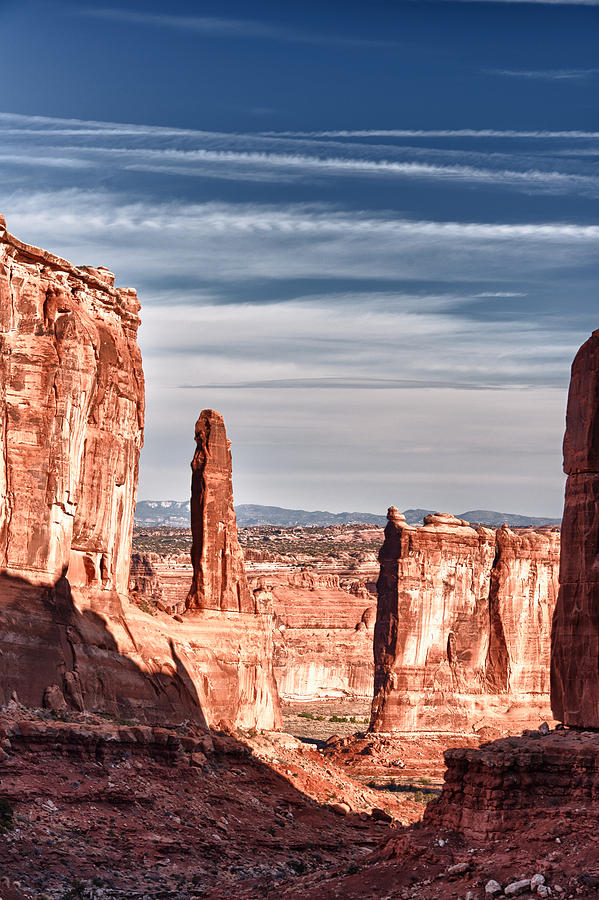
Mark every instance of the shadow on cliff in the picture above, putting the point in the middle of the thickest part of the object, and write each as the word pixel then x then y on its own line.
pixel 51 654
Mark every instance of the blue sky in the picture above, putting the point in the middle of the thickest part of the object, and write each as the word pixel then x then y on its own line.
pixel 365 232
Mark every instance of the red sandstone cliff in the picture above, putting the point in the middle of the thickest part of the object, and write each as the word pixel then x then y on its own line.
pixel 575 638
pixel 71 426
pixel 71 421
pixel 545 780
pixel 462 631
pixel 323 638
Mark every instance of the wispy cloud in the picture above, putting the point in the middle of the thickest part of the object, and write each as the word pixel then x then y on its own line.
pixel 52 162
pixel 315 342
pixel 276 164
pixel 306 364
pixel 301 219
pixel 150 243
pixel 431 391
pixel 547 74
pixel 234 165
pixel 500 294
pixel 353 384
pixel 20 123
pixel 217 26
pixel 447 132
pixel 239 157
pixel 325 322
pixel 319 378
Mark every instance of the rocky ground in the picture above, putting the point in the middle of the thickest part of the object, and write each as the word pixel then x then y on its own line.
pixel 427 863
pixel 93 808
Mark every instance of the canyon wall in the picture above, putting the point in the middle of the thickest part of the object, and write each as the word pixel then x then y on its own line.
pixel 463 626
pixel 71 428
pixel 464 619
pixel 71 422
pixel 323 622
pixel 575 639
pixel 323 638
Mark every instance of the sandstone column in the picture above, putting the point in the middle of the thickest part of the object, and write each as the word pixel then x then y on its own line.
pixel 575 634
pixel 219 580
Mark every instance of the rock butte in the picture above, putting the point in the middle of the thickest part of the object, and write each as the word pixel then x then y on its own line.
pixel 71 420
pixel 575 639
pixel 463 626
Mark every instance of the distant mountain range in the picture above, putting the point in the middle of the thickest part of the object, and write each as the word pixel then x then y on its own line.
pixel 175 514
pixel 251 514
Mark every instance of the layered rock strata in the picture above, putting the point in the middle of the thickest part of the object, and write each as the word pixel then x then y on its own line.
pixel 463 626
pixel 71 427
pixel 323 638
pixel 144 584
pixel 71 422
pixel 323 622
pixel 511 784
pixel 575 639
pixel 219 591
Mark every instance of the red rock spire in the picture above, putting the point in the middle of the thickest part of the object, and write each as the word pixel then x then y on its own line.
pixel 219 580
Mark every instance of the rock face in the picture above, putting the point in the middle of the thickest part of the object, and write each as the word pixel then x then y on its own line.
pixel 241 622
pixel 71 414
pixel 323 638
pixel 514 783
pixel 219 580
pixel 143 579
pixel 463 625
pixel 575 638
pixel 71 427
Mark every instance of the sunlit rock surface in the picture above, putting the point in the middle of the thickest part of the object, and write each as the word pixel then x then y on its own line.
pixel 219 591
pixel 462 637
pixel 71 428
pixel 323 638
pixel 219 580
pixel 71 422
